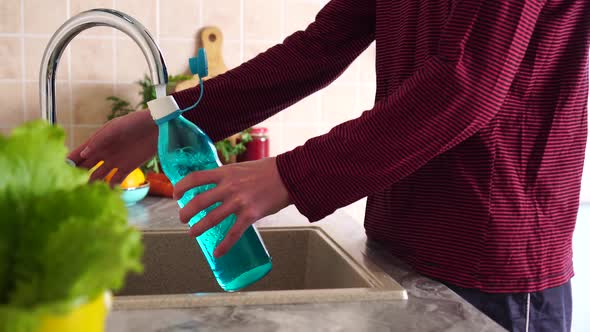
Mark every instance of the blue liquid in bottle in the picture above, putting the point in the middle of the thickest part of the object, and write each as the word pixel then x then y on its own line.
pixel 183 148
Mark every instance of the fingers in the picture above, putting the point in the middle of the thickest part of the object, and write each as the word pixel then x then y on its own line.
pixel 232 236
pixel 200 203
pixel 101 172
pixel 119 176
pixel 75 154
pixel 83 153
pixel 196 179
pixel 212 218
pixel 88 163
pixel 96 142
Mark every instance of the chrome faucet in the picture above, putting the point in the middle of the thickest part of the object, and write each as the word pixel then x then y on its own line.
pixel 81 22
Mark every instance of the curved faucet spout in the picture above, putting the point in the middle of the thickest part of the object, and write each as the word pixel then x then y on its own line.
pixel 81 22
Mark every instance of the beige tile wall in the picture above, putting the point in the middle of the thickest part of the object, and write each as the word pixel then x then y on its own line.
pixel 101 62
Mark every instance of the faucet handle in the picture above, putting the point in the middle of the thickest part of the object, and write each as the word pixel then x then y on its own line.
pixel 198 64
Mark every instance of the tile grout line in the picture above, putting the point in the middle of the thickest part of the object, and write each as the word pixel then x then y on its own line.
pixel 23 34
pixel 282 18
pixel 188 39
pixel 70 87
pixel 91 37
pixel 103 82
pixel 22 62
pixel 242 31
pixel 27 80
pixel 48 35
pixel 318 122
pixel 281 124
pixel 325 127
pixel 104 37
pixel 200 13
pixel 158 22
pixel 114 43
pixel 321 124
pixel 357 78
pixel 320 107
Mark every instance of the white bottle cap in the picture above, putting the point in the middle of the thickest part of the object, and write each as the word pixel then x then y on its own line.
pixel 162 106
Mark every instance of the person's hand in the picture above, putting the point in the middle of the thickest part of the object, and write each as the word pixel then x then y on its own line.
pixel 250 190
pixel 123 143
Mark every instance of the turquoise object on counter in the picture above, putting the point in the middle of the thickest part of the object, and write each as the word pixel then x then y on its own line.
pixel 133 195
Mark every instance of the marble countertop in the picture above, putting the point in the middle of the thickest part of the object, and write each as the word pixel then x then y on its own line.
pixel 430 306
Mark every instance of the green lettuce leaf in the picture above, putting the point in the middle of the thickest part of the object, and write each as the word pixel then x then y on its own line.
pixel 62 241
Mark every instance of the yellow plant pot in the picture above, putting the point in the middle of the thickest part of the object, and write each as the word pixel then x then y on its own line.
pixel 89 317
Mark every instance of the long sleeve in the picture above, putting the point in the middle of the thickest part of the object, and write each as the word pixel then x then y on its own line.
pixel 304 63
pixel 454 94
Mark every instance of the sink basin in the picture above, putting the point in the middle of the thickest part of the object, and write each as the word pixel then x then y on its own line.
pixel 307 267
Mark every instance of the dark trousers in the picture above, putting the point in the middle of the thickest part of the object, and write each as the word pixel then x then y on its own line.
pixel 549 310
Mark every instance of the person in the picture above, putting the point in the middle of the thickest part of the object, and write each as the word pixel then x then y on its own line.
pixel 471 157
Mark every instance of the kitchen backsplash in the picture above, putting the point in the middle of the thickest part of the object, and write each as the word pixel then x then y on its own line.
pixel 101 61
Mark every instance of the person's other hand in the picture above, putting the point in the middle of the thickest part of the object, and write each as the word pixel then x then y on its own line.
pixel 124 143
pixel 250 190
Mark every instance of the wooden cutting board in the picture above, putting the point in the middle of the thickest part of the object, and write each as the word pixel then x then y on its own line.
pixel 211 39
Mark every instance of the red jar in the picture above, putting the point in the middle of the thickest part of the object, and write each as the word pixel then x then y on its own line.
pixel 258 148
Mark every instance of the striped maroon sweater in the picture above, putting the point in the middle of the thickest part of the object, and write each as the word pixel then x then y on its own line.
pixel 472 154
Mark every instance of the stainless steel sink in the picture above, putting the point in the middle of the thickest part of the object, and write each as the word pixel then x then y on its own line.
pixel 307 267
